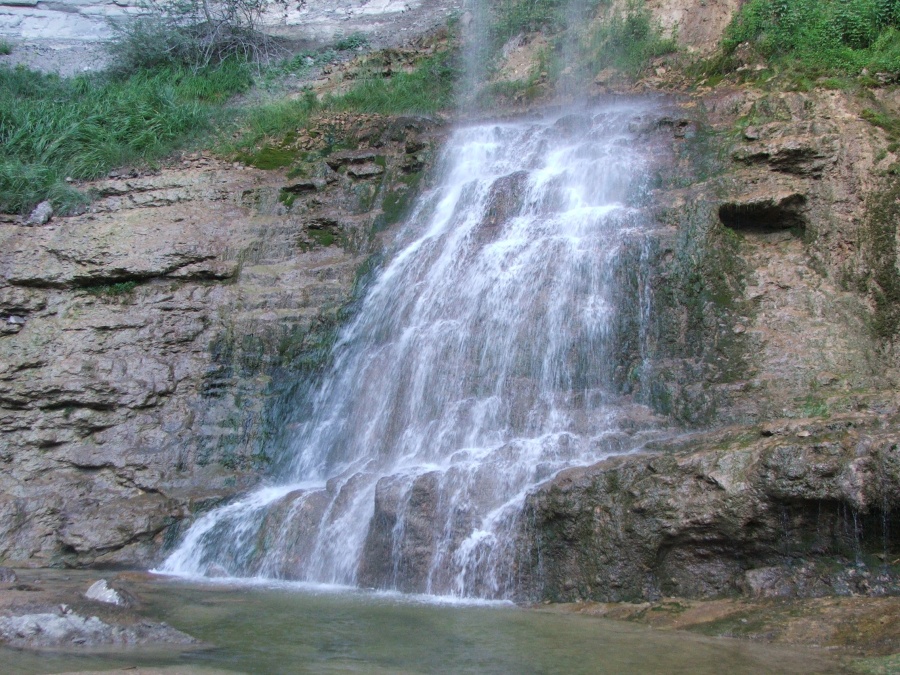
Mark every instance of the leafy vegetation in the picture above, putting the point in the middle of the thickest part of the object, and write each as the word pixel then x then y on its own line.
pixel 586 39
pixel 120 289
pixel 527 16
pixel 192 33
pixel 5 48
pixel 627 42
pixel 820 37
pixel 352 42
pixel 53 128
pixel 301 63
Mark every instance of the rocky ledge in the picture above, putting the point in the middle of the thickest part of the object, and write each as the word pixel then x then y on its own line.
pixel 795 508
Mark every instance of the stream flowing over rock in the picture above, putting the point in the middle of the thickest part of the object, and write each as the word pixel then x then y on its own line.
pixel 483 360
pixel 619 351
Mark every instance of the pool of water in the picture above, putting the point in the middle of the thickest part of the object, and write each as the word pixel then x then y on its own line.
pixel 291 629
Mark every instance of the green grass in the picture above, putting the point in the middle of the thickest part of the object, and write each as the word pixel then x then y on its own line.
pixel 5 48
pixel 815 38
pixel 120 289
pixel 53 128
pixel 426 90
pixel 513 17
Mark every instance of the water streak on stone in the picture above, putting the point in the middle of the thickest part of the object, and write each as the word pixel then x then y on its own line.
pixel 480 364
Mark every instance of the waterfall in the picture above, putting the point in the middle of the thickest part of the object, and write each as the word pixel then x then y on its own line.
pixel 484 359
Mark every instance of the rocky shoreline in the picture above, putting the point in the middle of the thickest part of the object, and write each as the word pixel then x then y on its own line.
pixel 46 612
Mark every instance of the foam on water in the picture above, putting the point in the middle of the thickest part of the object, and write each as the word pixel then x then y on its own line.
pixel 480 364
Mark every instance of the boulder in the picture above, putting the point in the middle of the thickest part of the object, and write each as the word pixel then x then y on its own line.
pixel 41 214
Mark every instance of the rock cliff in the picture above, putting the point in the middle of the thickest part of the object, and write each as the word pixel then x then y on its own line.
pixel 146 348
pixel 144 344
pixel 771 317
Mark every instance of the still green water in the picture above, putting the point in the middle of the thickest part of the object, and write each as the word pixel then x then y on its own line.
pixel 289 630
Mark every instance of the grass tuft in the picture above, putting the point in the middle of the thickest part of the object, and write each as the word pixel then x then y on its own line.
pixel 52 128
pixel 5 48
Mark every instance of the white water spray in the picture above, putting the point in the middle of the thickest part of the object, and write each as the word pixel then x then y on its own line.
pixel 481 363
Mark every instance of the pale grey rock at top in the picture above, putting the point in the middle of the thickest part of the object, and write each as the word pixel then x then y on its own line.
pixel 67 36
pixel 88 20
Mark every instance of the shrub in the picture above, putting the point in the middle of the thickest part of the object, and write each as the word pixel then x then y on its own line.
pixel 819 36
pixel 627 42
pixel 192 33
pixel 352 42
pixel 5 48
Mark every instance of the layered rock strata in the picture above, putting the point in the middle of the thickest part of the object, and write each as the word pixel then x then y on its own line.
pixel 145 344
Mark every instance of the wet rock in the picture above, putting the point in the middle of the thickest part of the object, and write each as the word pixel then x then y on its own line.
pixel 303 186
pixel 717 515
pixel 682 127
pixel 101 591
pixel 765 211
pixel 12 324
pixel 795 150
pixel 504 201
pixel 41 214
pixel 66 628
pixel 401 538
pixel 345 158
pixel 767 582
pixel 148 325
pixel 368 170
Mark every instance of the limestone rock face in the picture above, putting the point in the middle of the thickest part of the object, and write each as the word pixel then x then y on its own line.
pixel 145 344
pixel 723 513
pixel 770 325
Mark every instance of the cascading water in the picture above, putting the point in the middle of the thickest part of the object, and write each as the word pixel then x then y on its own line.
pixel 481 363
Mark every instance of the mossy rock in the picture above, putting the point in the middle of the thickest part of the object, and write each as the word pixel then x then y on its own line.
pixel 269 157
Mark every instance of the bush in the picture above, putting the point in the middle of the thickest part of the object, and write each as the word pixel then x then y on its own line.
pixel 5 48
pixel 192 33
pixel 821 36
pixel 627 42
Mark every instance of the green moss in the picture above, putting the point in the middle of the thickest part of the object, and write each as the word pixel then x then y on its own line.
pixel 398 200
pixel 269 157
pixel 304 167
pixel 814 406
pixel 882 279
pixel 323 236
pixel 287 197
pixel 878 665
pixel 120 289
